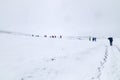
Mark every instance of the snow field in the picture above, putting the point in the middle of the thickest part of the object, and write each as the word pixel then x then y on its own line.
pixel 30 58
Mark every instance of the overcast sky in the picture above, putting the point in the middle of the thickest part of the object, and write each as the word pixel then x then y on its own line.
pixel 61 16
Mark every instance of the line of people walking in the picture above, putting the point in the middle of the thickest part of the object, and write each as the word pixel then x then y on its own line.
pixel 46 36
pixel 109 38
pixel 92 39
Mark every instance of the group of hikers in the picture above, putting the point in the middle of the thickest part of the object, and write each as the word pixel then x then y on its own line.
pixel 94 39
pixel 90 38
pixel 52 36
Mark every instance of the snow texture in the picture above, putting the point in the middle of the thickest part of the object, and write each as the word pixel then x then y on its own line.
pixel 38 58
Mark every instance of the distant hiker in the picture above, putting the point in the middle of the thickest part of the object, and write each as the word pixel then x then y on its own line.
pixel 94 39
pixel 36 35
pixel 52 36
pixel 45 35
pixel 60 36
pixel 32 35
pixel 110 40
pixel 89 38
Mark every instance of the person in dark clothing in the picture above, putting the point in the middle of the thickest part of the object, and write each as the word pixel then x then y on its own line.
pixel 45 36
pixel 60 36
pixel 110 40
pixel 94 39
pixel 89 38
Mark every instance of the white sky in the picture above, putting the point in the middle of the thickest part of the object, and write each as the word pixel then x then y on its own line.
pixel 61 16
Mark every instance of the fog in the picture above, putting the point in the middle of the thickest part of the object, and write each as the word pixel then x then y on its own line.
pixel 70 17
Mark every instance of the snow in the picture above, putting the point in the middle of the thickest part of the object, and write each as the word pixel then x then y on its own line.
pixel 39 58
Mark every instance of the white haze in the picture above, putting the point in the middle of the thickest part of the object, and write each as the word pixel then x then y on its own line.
pixel 70 17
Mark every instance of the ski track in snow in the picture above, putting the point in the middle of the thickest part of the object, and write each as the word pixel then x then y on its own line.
pixel 117 48
pixel 46 71
pixel 41 71
pixel 115 66
pixel 100 68
pixel 115 69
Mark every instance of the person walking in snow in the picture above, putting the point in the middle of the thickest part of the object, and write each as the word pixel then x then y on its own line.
pixel 89 38
pixel 60 36
pixel 94 39
pixel 110 40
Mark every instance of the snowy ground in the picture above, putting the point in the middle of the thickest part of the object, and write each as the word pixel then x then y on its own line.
pixel 36 58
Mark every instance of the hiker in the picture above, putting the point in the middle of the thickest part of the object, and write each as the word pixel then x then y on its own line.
pixel 45 36
pixel 55 36
pixel 60 36
pixel 89 38
pixel 52 36
pixel 110 40
pixel 94 39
